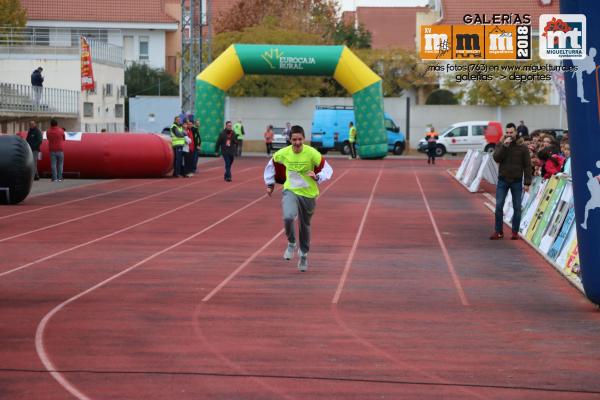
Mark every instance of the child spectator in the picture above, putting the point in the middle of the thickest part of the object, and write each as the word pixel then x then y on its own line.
pixel 566 150
pixel 552 162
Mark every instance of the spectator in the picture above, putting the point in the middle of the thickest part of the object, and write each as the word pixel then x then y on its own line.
pixel 37 81
pixel 432 138
pixel 352 139
pixel 535 141
pixel 197 143
pixel 188 150
pixel 56 138
pixel 34 138
pixel 287 132
pixel 238 128
pixel 548 140
pixel 514 172
pixel 522 130
pixel 566 150
pixel 177 142
pixel 552 162
pixel 227 144
pixel 269 139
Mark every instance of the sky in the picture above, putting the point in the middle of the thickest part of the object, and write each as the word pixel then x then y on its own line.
pixel 348 5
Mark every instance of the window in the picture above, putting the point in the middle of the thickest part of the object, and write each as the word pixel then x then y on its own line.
pixel 118 110
pixel 459 131
pixel 144 48
pixel 88 109
pixel 41 36
pixel 389 124
pixel 479 130
pixel 108 89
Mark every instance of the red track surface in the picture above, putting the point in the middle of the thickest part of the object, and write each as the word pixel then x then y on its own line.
pixel 169 289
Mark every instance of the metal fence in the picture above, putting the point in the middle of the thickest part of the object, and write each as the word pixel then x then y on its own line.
pixel 35 100
pixel 44 41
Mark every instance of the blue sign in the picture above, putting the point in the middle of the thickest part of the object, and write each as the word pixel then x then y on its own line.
pixel 583 108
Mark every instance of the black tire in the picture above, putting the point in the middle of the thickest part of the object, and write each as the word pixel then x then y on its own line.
pixel 345 149
pixel 16 169
pixel 490 148
pixel 398 149
pixel 440 150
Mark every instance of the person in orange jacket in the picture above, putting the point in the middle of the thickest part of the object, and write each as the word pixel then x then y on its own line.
pixel 432 138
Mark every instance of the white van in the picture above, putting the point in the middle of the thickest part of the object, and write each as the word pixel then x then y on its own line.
pixel 460 137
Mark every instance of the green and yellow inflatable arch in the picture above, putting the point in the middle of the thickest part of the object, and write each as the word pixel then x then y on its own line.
pixel 337 61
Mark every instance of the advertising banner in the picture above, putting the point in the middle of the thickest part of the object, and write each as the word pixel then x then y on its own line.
pixel 87 73
pixel 576 37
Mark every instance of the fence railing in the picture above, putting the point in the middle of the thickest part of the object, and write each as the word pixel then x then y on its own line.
pixel 45 41
pixel 35 100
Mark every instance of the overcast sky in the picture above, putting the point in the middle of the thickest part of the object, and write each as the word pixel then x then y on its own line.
pixel 347 5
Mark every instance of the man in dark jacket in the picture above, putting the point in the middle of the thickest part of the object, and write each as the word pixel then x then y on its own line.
pixel 34 138
pixel 514 173
pixel 37 81
pixel 227 144
pixel 197 143
pixel 522 130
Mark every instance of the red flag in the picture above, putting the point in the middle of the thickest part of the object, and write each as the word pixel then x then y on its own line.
pixel 87 73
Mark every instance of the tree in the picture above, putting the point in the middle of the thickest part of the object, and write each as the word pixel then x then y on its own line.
pixel 358 38
pixel 400 69
pixel 12 14
pixel 144 80
pixel 441 96
pixel 311 16
pixel 502 89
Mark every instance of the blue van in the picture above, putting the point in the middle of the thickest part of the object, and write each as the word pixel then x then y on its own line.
pixel 330 130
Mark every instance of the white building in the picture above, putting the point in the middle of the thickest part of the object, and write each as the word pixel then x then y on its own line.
pixel 119 32
pixel 141 27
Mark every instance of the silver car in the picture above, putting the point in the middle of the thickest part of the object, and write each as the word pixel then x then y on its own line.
pixel 280 140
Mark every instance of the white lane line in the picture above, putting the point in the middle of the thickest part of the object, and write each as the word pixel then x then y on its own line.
pixel 451 269
pixel 344 276
pixel 75 200
pixel 105 210
pixel 257 252
pixel 120 230
pixel 86 198
pixel 39 334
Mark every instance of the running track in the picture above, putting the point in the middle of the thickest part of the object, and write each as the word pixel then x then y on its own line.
pixel 175 289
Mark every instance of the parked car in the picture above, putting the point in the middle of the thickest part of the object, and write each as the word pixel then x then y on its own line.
pixel 461 137
pixel 330 130
pixel 280 140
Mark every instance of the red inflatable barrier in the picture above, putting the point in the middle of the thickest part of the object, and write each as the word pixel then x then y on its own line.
pixel 112 155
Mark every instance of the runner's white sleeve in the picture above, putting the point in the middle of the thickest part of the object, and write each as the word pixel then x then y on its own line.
pixel 269 174
pixel 325 173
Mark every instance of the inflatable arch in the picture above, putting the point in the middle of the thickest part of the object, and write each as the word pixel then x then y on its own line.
pixel 337 61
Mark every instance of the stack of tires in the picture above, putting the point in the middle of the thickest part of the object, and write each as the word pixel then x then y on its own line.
pixel 16 169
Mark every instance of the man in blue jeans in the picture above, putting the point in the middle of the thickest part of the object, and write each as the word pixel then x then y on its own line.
pixel 227 143
pixel 514 174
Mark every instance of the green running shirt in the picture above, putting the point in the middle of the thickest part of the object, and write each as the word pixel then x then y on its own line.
pixel 297 166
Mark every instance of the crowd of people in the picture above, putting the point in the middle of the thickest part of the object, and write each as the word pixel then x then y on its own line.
pixel 549 156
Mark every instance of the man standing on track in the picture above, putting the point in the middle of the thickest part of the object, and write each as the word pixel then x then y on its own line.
pixel 514 174
pixel 305 168
pixel 227 143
